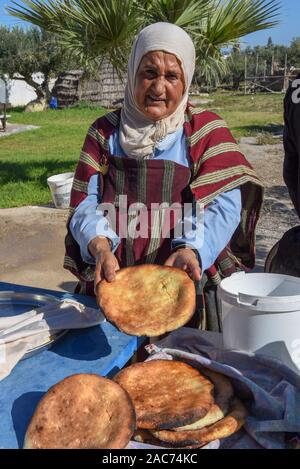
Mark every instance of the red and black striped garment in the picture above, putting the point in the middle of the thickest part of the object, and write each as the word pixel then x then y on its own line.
pixel 217 166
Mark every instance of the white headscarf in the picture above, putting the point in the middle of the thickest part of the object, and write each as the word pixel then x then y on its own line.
pixel 139 134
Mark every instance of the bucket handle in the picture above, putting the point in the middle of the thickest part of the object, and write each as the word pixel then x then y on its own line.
pixel 247 300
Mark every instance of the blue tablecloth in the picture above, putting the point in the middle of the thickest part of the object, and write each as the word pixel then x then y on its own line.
pixel 102 350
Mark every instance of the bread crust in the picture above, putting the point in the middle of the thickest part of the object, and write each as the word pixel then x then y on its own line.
pixel 222 429
pixel 223 391
pixel 83 411
pixel 166 393
pixel 148 300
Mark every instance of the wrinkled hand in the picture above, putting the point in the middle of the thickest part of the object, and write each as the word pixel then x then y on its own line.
pixel 106 262
pixel 186 260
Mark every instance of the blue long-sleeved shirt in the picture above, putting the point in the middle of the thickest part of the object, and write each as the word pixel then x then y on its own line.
pixel 209 235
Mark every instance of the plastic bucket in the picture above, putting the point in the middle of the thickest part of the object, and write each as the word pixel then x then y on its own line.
pixel 261 314
pixel 60 186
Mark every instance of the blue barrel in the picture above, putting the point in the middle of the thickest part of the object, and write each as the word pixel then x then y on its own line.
pixel 53 103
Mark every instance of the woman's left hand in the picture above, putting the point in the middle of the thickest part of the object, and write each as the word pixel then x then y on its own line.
pixel 186 260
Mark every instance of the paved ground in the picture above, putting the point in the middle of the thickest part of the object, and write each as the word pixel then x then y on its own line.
pixel 16 128
pixel 32 238
pixel 32 247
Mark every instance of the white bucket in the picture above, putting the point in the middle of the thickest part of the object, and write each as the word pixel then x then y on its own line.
pixel 261 314
pixel 60 186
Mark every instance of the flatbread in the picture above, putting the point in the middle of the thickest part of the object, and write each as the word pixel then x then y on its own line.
pixel 166 393
pixel 222 429
pixel 223 391
pixel 148 300
pixel 144 436
pixel 83 411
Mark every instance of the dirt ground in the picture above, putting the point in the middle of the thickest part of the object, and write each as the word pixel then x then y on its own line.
pixel 32 238
pixel 32 248
pixel 278 214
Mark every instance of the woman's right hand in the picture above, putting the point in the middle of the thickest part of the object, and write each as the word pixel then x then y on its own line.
pixel 106 262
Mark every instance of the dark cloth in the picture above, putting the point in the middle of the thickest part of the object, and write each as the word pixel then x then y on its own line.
pixel 284 257
pixel 291 139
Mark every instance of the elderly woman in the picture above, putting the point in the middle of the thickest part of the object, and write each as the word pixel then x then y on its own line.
pixel 159 149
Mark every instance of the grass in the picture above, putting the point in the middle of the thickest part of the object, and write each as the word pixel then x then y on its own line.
pixel 251 115
pixel 28 159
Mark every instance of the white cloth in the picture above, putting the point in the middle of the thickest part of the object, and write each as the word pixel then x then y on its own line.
pixel 21 333
pixel 138 134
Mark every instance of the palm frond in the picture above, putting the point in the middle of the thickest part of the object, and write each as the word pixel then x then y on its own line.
pixel 234 19
pixel 183 13
pixel 90 30
pixel 96 30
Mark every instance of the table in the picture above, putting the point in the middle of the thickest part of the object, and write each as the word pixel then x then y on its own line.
pixel 102 350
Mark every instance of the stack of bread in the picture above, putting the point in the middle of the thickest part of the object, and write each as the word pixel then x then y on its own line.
pixel 159 402
pixel 178 406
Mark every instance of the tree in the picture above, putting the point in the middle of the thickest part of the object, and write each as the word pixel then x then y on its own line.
pixel 97 29
pixel 294 53
pixel 25 52
pixel 270 43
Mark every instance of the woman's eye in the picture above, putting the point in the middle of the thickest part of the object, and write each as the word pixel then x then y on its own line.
pixel 150 73
pixel 172 77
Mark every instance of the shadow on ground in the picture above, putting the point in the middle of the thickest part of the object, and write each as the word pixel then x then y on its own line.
pixel 68 286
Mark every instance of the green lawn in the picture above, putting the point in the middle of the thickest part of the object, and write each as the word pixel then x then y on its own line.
pixel 28 159
pixel 249 115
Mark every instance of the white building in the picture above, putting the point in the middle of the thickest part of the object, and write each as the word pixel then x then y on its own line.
pixel 19 92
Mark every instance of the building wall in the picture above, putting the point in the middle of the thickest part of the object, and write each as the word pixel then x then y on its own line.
pixel 19 92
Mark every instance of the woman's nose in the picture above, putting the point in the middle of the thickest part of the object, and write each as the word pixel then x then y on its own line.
pixel 159 85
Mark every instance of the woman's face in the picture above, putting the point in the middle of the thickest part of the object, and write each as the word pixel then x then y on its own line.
pixel 159 85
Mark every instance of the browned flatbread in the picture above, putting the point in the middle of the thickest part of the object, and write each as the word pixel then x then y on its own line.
pixel 148 300
pixel 144 436
pixel 223 392
pixel 166 394
pixel 83 411
pixel 222 429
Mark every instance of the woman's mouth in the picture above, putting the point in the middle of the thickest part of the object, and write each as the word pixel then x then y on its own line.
pixel 156 100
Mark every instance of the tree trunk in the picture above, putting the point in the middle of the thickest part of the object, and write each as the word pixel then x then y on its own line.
pixel 42 91
pixel 39 89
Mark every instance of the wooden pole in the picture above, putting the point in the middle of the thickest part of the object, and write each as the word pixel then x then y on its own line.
pixel 256 68
pixel 245 90
pixel 6 102
pixel 286 79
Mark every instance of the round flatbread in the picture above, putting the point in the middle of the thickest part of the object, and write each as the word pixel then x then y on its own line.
pixel 223 392
pixel 148 300
pixel 222 429
pixel 166 394
pixel 83 411
pixel 144 436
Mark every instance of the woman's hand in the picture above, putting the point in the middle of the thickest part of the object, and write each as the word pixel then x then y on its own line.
pixel 186 260
pixel 106 262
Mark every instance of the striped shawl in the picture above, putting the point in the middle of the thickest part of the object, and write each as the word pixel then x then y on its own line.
pixel 217 166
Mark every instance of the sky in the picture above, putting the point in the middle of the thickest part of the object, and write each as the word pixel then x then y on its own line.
pixel 288 28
